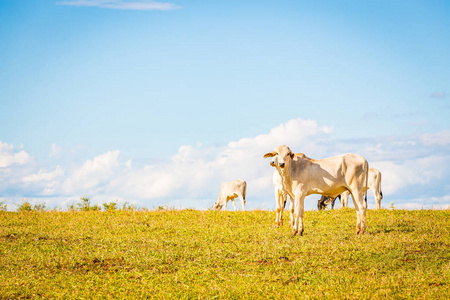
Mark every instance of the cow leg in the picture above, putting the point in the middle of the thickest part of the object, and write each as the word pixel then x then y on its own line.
pixel 363 215
pixel 344 199
pixel 277 200
pixel 284 199
pixel 282 202
pixel 226 202
pixel 298 216
pixel 242 201
pixel 234 204
pixel 377 196
pixel 378 204
pixel 358 216
pixel 291 210
pixel 360 207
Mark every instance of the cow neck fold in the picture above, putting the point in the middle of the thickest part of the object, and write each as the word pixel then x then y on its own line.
pixel 283 180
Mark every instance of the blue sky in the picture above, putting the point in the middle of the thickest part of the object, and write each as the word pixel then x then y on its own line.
pixel 154 102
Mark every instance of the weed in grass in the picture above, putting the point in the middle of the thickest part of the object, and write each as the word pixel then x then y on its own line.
pixel 27 206
pixel 112 206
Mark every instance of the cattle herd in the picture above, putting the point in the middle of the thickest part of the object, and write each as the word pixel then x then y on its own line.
pixel 298 176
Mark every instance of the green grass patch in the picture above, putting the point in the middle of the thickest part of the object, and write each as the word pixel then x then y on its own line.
pixel 191 254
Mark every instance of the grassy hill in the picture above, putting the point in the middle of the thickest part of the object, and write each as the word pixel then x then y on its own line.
pixel 223 255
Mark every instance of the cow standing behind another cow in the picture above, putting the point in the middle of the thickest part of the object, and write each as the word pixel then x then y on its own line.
pixel 281 198
pixel 374 184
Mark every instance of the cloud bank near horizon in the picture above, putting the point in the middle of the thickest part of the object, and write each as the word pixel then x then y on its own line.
pixel 414 170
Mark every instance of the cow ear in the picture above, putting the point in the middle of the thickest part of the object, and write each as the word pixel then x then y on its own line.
pixel 299 155
pixel 292 155
pixel 270 154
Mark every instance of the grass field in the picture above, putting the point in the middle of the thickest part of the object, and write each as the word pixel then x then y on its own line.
pixel 223 255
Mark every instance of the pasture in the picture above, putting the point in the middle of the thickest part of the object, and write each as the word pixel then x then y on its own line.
pixel 192 254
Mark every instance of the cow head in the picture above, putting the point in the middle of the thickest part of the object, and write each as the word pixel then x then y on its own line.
pixel 280 155
pixel 321 205
pixel 217 206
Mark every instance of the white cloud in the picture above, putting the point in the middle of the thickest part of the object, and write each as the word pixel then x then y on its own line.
pixel 8 156
pixel 92 174
pixel 46 183
pixel 197 172
pixel 412 173
pixel 413 167
pixel 436 139
pixel 402 148
pixel 55 151
pixel 426 203
pixel 122 4
pixel 43 175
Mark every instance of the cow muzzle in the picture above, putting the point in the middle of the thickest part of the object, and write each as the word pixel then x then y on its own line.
pixel 282 165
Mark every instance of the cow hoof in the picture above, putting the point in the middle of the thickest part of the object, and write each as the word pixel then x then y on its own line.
pixel 297 232
pixel 359 231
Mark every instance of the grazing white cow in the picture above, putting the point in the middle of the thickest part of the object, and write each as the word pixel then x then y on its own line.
pixel 303 176
pixel 229 191
pixel 323 202
pixel 374 184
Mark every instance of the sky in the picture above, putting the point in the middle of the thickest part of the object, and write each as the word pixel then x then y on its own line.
pixel 157 103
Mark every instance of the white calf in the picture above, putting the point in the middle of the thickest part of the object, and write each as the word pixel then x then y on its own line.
pixel 229 191
pixel 281 196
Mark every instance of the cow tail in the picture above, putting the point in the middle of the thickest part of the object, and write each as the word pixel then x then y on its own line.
pixel 245 190
pixel 367 180
pixel 381 193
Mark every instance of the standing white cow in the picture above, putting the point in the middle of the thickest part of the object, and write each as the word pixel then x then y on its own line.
pixel 332 176
pixel 281 196
pixel 374 184
pixel 229 191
